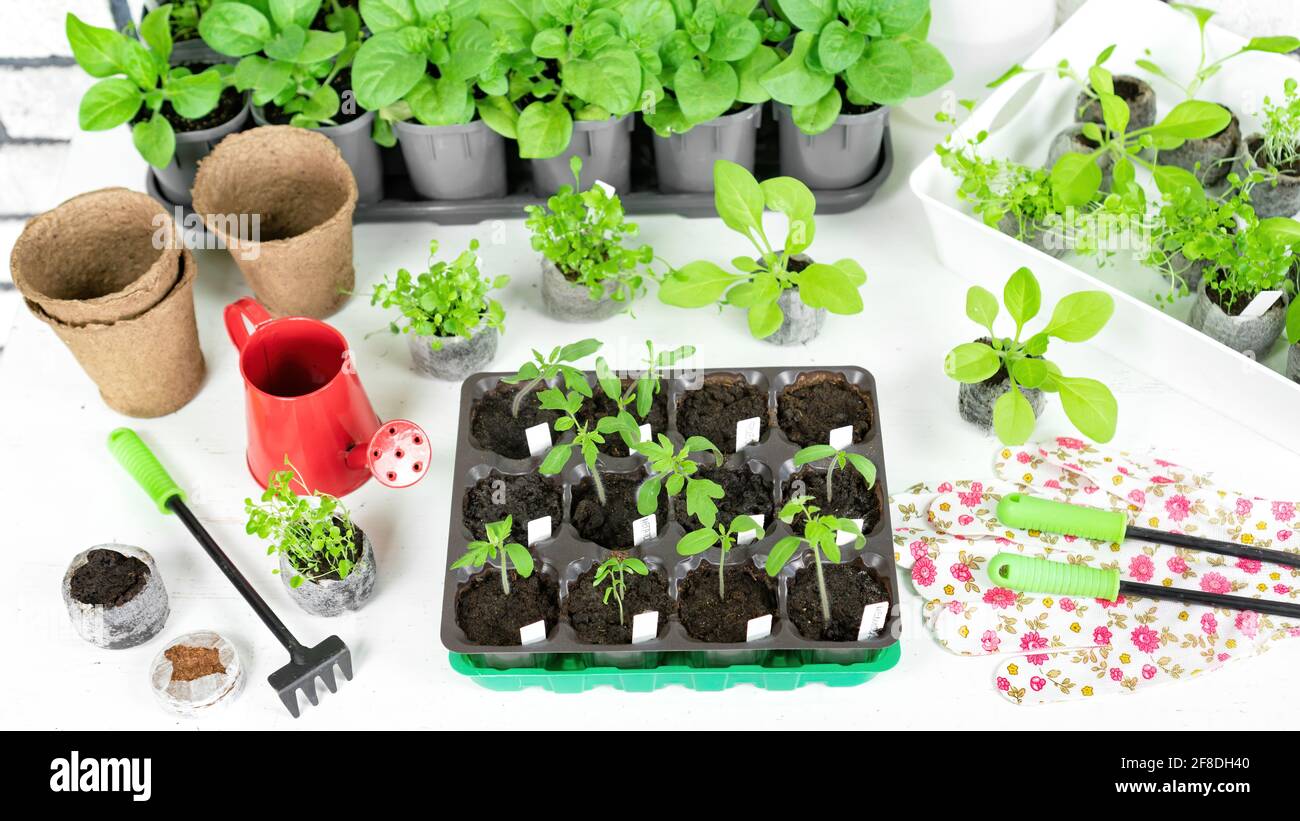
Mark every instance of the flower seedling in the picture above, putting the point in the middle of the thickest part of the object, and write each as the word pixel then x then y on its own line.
pixel 836 459
pixel 448 300
pixel 1206 68
pixel 613 574
pixel 740 201
pixel 185 15
pixel 724 538
pixel 674 470
pixel 876 52
pixel 1077 318
pixel 1254 257
pixel 639 394
pixel 1293 323
pixel 478 553
pixel 543 368
pixel 1064 70
pixel 314 532
pixel 584 234
pixel 820 534
pixel 1281 130
pixel 283 61
pixel 585 436
pixel 137 84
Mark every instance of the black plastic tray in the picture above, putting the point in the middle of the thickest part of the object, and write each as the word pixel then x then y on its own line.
pixel 566 555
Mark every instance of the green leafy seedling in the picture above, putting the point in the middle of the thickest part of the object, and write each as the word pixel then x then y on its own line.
pixel 314 532
pixel 674 470
pixel 185 15
pixel 613 573
pixel 586 438
pixel 543 368
pixel 758 284
pixel 836 459
pixel 820 534
pixel 450 299
pixel 136 81
pixel 1077 318
pixel 639 393
pixel 1281 129
pixel 478 553
pixel 722 536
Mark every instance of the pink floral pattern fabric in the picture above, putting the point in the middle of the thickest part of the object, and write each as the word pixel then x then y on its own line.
pixel 1054 648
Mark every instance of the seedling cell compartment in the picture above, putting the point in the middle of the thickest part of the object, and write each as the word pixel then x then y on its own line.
pixel 566 555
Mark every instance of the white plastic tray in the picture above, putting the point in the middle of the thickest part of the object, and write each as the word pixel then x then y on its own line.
pixel 1023 115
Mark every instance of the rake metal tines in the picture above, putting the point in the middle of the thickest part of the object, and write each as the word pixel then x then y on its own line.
pixel 306 665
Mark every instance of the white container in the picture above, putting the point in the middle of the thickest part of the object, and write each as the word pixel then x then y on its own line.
pixel 1023 114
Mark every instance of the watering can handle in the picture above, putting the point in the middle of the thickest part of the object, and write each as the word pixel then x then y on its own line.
pixel 236 312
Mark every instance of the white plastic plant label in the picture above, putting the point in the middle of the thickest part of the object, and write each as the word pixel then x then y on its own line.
pixel 759 628
pixel 747 431
pixel 747 536
pixel 532 633
pixel 606 187
pixel 841 438
pixel 644 529
pixel 647 435
pixel 539 530
pixel 645 626
pixel 873 619
pixel 539 439
pixel 842 538
pixel 1260 304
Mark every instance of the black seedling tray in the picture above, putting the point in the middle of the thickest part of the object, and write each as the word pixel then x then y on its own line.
pixel 567 555
pixel 402 204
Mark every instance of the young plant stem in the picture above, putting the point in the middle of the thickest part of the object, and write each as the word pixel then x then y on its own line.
pixel 830 472
pixel 722 565
pixel 821 588
pixel 618 594
pixel 598 483
pixel 505 573
pixel 520 394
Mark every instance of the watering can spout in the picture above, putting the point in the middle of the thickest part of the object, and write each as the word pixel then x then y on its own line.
pixel 397 455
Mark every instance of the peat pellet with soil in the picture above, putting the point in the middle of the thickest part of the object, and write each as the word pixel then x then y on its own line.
pixel 491 618
pixel 115 596
pixel 601 405
pixel 493 426
pixel 609 523
pixel 597 622
pixel 713 409
pixel 196 673
pixel 524 497
pixel 850 496
pixel 748 493
pixel 748 594
pixel 849 589
pixel 818 403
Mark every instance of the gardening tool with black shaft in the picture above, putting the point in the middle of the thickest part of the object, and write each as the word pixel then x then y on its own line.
pixel 1027 574
pixel 306 664
pixel 1032 513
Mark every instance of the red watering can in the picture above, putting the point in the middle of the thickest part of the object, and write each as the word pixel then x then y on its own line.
pixel 305 402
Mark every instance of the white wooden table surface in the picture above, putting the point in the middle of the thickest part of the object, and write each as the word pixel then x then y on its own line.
pixel 60 492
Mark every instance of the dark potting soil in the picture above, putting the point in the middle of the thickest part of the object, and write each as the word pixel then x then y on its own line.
pixel 609 524
pixel 493 428
pixel 228 106
pixel 813 406
pixel 525 497
pixel 847 107
pixel 749 594
pixel 489 617
pixel 713 410
pixel 342 83
pixel 189 663
pixel 325 573
pixel 748 494
pixel 601 405
pixel 1230 304
pixel 108 578
pixel 852 498
pixel 849 588
pixel 596 622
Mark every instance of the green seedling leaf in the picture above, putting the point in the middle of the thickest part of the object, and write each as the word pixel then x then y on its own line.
pixel 1080 316
pixel 738 198
pixel 695 285
pixel 1076 179
pixel 793 81
pixel 1090 406
pixel 1022 297
pixel 1013 418
pixel 1192 120
pixel 982 307
pixel 971 362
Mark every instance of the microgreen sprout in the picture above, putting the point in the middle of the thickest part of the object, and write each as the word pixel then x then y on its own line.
pixel 314 532
pixel 543 368
pixel 585 437
pixel 820 534
pixel 1281 129
pixel 478 553
pixel 612 572
pixel 724 537
pixel 836 459
pixel 673 470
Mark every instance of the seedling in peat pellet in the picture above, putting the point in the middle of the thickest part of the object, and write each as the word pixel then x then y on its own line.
pixel 640 394
pixel 675 469
pixel 543 368
pixel 820 534
pixel 478 553
pixel 587 441
pixel 698 541
pixel 838 459
pixel 612 572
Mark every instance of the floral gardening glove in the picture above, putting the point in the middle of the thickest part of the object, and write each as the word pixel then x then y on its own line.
pixel 1066 647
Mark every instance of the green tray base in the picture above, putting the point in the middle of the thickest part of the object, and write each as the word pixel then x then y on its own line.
pixel 570 673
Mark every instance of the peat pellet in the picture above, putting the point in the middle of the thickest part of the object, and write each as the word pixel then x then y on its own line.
pixel 115 596
pixel 196 673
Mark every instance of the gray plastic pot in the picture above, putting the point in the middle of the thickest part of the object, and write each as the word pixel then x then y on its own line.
pixel 570 302
pixel 1253 336
pixel 359 151
pixel 176 180
pixel 1071 140
pixel 331 597
pixel 844 155
pixel 457 357
pixel 1272 198
pixel 684 162
pixel 129 624
pixel 1048 240
pixel 1214 154
pixel 605 147
pixel 801 324
pixel 975 401
pixel 1135 91
pixel 454 162
pixel 1293 363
